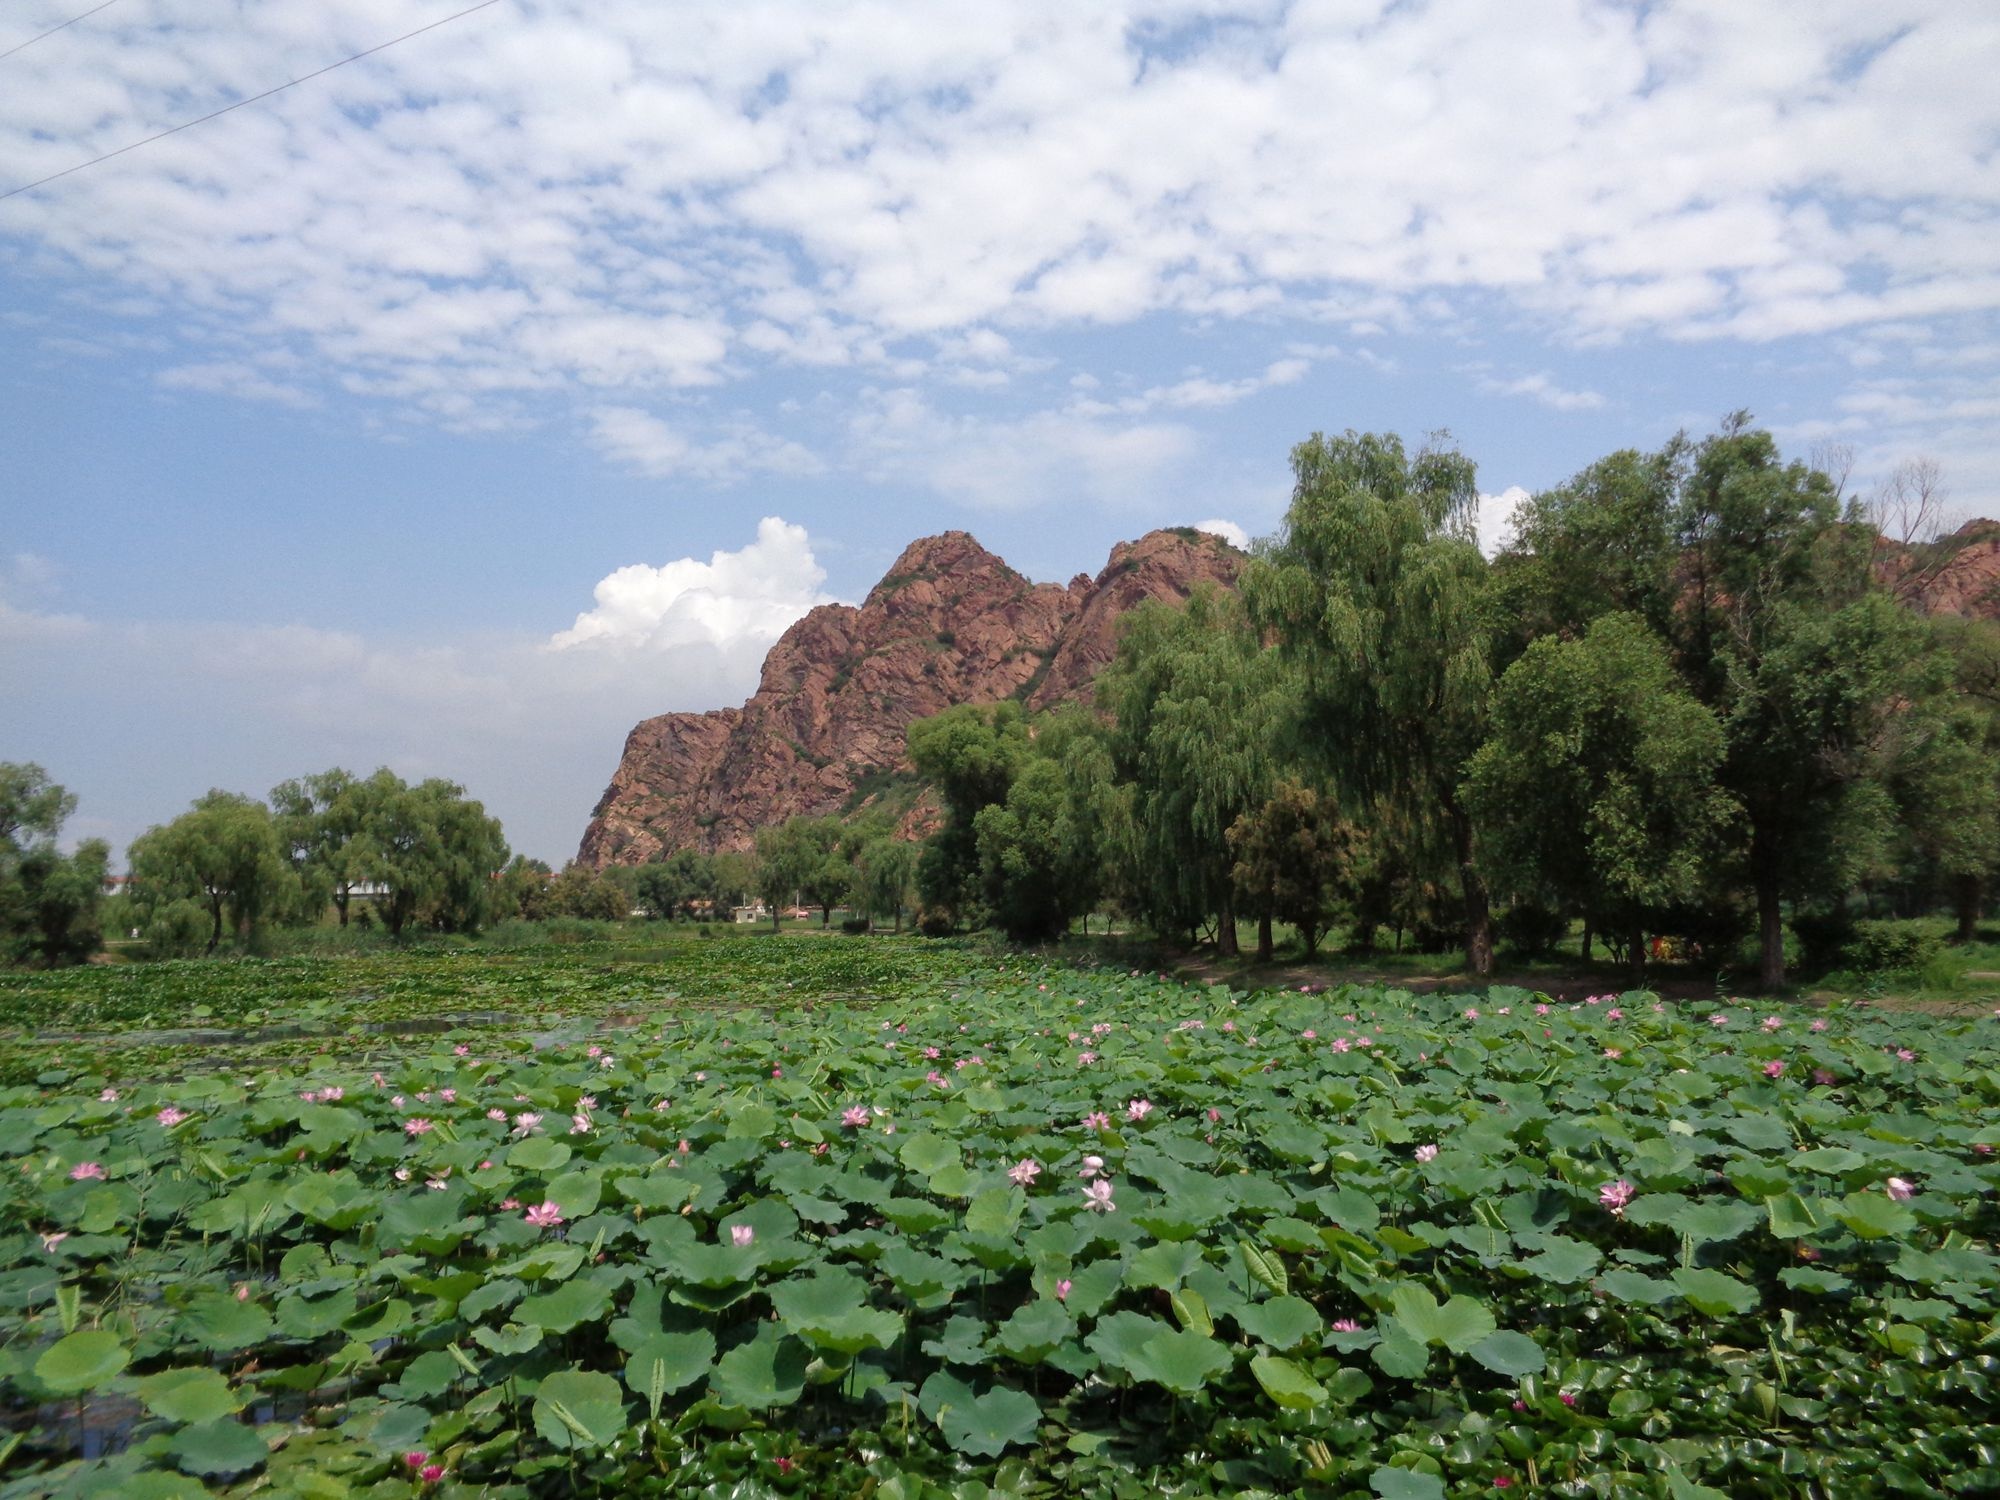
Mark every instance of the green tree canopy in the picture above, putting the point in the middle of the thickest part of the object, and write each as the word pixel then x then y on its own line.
pixel 223 859
pixel 1376 590
pixel 970 755
pixel 1295 862
pixel 433 849
pixel 1202 711
pixel 1598 789
pixel 51 903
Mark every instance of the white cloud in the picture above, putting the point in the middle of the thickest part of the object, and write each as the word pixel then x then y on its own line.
pixel 1014 463
pixel 1543 388
pixel 1496 518
pixel 621 197
pixel 737 602
pixel 1195 392
pixel 639 441
pixel 1229 531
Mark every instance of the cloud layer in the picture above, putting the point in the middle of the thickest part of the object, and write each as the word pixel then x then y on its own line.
pixel 632 205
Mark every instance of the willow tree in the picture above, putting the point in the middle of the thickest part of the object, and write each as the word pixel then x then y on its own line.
pixel 1376 591
pixel 1201 709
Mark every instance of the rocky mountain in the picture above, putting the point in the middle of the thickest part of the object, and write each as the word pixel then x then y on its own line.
pixel 824 733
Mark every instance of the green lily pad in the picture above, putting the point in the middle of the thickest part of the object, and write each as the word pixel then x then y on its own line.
pixel 81 1361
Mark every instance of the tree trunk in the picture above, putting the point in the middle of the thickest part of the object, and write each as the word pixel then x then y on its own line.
pixel 1478 908
pixel 826 914
pixel 1771 935
pixel 1638 956
pixel 215 932
pixel 1225 931
pixel 776 924
pixel 1586 940
pixel 1310 935
pixel 1967 893
pixel 340 899
pixel 1264 938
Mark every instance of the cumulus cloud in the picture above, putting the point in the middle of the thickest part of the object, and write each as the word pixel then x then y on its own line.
pixel 737 602
pixel 1229 531
pixel 1496 518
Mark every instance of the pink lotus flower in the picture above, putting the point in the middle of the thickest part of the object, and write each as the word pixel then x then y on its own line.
pixel 417 1125
pixel 50 1241
pixel 497 1114
pixel 1062 1290
pixel 854 1116
pixel 1904 1054
pixel 449 1096
pixel 1092 1166
pixel 545 1215
pixel 431 1473
pixel 1541 1010
pixel 84 1171
pixel 109 1096
pixel 1817 1026
pixel 1344 1325
pixel 741 1235
pixel 1427 1153
pixel 1614 1052
pixel 402 1174
pixel 461 1050
pixel 1025 1171
pixel 579 1125
pixel 1614 1014
pixel 1773 1023
pixel 1085 1059
pixel 1615 1195
pixel 416 1460
pixel 1215 1117
pixel 932 1054
pixel 1309 1035
pixel 170 1116
pixel 397 1101
pixel 1774 1069
pixel 1823 1077
pixel 1718 1019
pixel 508 1205
pixel 526 1121
pixel 1471 1013
pixel 1097 1120
pixel 1341 1044
pixel 1900 1190
pixel 1097 1196
pixel 1138 1109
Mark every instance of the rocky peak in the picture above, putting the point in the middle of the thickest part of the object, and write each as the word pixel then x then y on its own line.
pixel 949 623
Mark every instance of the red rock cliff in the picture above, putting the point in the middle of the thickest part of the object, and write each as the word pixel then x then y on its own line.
pixel 950 623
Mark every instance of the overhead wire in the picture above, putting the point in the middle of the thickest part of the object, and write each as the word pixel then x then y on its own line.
pixel 28 187
pixel 24 46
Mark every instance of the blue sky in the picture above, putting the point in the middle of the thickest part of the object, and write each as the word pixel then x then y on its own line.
pixel 431 413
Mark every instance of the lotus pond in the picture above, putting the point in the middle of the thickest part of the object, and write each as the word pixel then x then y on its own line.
pixel 997 1228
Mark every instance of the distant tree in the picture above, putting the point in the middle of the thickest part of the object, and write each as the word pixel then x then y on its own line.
pixel 433 849
pixel 885 875
pixel 319 820
pixel 51 903
pixel 523 888
pixel 800 859
pixel 735 877
pixel 223 856
pixel 1295 862
pixel 670 887
pixel 1598 790
pixel 970 755
pixel 587 894
pixel 1377 592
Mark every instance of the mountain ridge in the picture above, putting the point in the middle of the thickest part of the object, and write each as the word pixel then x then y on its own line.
pixel 949 623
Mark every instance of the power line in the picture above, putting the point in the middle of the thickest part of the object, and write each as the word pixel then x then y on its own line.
pixel 23 46
pixel 254 98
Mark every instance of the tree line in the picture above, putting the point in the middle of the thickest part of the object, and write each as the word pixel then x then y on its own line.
pixel 1688 701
